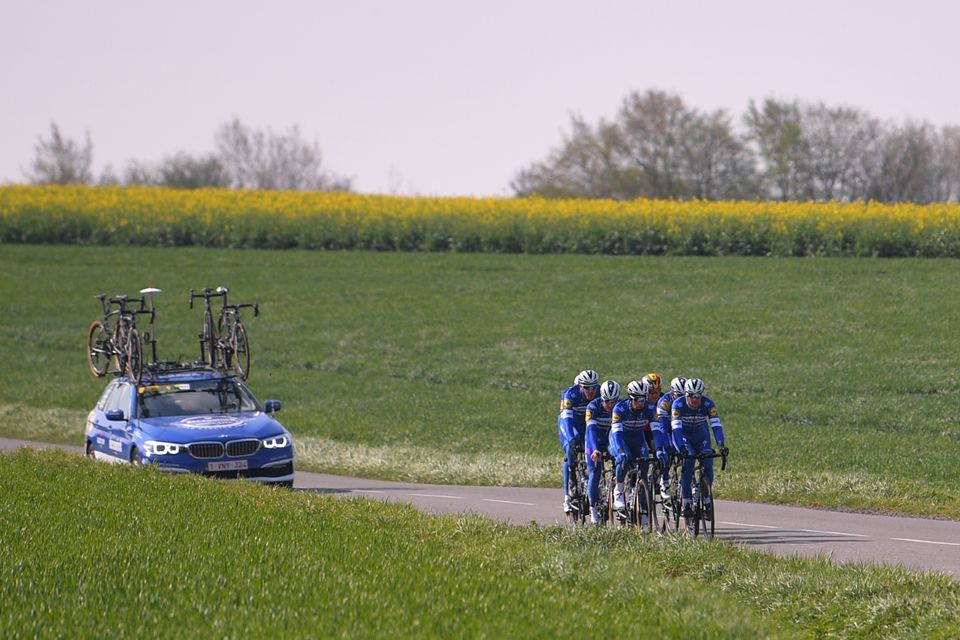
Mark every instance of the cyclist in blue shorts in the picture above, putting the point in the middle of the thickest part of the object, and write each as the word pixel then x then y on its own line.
pixel 692 417
pixel 631 419
pixel 663 425
pixel 599 413
pixel 571 424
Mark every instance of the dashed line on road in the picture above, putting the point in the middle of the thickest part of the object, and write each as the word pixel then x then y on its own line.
pixel 365 491
pixel 525 504
pixel 744 524
pixel 836 533
pixel 952 544
pixel 435 495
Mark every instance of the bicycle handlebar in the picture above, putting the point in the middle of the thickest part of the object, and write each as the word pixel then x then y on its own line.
pixel 208 293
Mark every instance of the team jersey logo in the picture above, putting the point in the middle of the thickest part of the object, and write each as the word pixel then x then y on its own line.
pixel 566 404
pixel 676 413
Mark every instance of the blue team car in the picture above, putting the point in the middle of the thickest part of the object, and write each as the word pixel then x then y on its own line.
pixel 191 418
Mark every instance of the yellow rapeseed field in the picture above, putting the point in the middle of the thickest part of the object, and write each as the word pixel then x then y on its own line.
pixel 318 220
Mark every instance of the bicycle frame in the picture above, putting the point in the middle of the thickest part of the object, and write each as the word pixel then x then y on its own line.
pixel 115 335
pixel 704 511
pixel 224 344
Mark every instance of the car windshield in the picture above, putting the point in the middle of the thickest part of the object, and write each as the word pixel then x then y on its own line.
pixel 194 398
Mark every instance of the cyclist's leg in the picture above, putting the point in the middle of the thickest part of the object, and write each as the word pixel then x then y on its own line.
pixel 565 467
pixel 708 472
pixel 593 483
pixel 686 476
pixel 624 464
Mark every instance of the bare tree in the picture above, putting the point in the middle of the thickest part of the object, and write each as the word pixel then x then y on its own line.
pixel 61 160
pixel 653 126
pixel 715 161
pixel 948 163
pixel 775 129
pixel 907 171
pixel 585 165
pixel 258 159
pixel 184 171
pixel 836 141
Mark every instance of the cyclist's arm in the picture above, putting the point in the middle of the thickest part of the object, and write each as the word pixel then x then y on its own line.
pixel 715 424
pixel 567 428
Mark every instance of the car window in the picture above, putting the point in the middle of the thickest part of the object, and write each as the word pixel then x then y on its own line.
pixel 119 398
pixel 123 399
pixel 102 403
pixel 195 398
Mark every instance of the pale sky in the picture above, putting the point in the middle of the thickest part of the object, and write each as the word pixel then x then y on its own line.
pixel 443 97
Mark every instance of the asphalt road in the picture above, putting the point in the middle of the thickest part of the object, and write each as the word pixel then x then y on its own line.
pixel 916 543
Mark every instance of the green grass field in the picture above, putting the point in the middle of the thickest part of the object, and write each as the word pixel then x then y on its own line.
pixel 835 378
pixel 94 550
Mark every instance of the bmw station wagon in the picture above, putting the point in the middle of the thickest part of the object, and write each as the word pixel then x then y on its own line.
pixel 191 419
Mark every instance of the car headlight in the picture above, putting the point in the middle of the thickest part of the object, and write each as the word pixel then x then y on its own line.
pixel 276 442
pixel 154 448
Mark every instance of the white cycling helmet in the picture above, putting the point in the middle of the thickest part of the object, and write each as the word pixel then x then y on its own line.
pixel 676 385
pixel 587 378
pixel 610 391
pixel 693 387
pixel 638 389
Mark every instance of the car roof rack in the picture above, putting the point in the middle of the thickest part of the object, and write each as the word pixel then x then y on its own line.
pixel 154 369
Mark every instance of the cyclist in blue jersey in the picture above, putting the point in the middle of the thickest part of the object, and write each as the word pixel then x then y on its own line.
pixel 656 392
pixel 631 419
pixel 656 386
pixel 598 416
pixel 571 424
pixel 663 424
pixel 692 417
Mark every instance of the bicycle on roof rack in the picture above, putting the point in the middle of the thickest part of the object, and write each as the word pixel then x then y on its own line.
pixel 114 338
pixel 224 344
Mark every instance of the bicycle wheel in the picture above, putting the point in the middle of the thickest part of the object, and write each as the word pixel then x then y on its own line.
pixel 134 351
pixel 575 513
pixel 208 340
pixel 657 512
pixel 241 350
pixel 676 495
pixel 704 511
pixel 98 349
pixel 611 511
pixel 641 506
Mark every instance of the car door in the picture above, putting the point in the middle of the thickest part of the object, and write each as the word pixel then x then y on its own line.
pixel 121 430
pixel 99 425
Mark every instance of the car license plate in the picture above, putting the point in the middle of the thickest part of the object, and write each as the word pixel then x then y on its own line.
pixel 228 465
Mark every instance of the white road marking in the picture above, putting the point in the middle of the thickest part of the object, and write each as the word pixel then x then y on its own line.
pixel 435 495
pixel 365 491
pixel 525 504
pixel 836 533
pixel 744 524
pixel 952 544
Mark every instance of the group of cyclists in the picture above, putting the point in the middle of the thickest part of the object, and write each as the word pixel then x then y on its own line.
pixel 595 421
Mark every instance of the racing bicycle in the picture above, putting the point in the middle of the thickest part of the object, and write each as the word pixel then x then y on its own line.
pixel 704 506
pixel 636 513
pixel 579 503
pixel 224 344
pixel 667 510
pixel 114 338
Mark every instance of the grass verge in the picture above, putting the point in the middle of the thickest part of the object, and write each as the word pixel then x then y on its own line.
pixel 92 547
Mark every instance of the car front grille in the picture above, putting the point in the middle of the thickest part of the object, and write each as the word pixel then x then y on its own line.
pixel 206 449
pixel 238 448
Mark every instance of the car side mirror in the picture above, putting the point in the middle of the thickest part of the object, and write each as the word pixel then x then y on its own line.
pixel 115 415
pixel 271 406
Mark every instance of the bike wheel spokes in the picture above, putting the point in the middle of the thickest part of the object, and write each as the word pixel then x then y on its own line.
pixel 241 351
pixel 641 506
pixel 708 514
pixel 98 349
pixel 134 355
